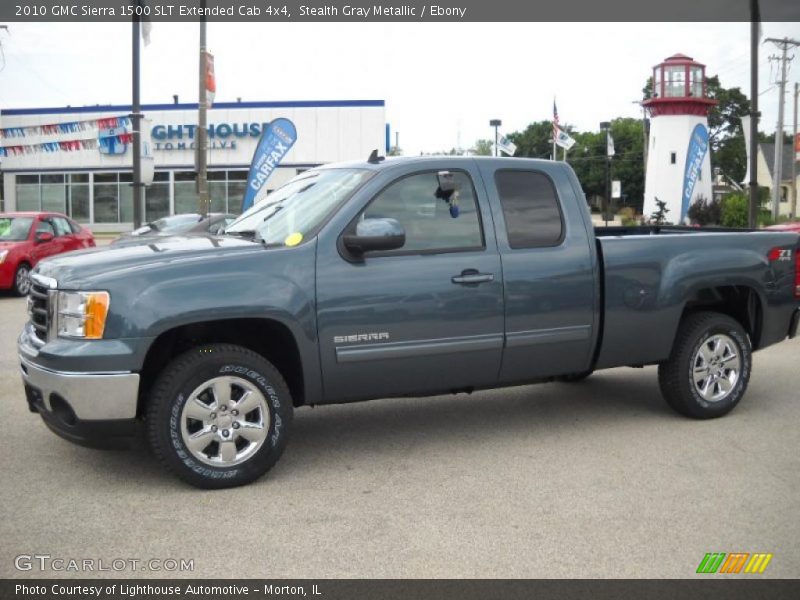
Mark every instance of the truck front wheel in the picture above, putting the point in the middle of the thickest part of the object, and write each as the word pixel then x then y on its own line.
pixel 709 368
pixel 219 416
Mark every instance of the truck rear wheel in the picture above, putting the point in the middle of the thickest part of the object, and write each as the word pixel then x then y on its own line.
pixel 709 368
pixel 219 416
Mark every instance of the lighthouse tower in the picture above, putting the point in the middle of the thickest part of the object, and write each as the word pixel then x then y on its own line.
pixel 678 161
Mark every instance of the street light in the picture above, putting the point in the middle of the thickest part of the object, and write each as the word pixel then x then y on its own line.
pixel 606 126
pixel 496 123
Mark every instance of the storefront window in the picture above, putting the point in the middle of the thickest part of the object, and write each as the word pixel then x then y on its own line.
pixel 106 198
pixel 125 198
pixel 28 192
pixel 185 192
pixel 157 197
pixel 79 197
pixel 54 193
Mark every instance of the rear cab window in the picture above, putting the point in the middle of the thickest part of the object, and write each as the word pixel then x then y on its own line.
pixel 531 208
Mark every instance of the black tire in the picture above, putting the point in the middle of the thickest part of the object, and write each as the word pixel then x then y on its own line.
pixel 574 377
pixel 21 279
pixel 676 376
pixel 234 366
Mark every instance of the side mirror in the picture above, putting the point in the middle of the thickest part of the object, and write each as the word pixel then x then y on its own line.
pixel 375 235
pixel 44 236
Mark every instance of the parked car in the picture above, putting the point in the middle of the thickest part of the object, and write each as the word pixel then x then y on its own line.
pixel 184 224
pixel 403 277
pixel 28 237
pixel 792 226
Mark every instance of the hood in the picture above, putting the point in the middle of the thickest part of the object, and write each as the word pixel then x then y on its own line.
pixel 6 244
pixel 78 269
pixel 154 237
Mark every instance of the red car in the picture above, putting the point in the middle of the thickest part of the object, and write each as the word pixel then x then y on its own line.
pixel 28 237
pixel 791 226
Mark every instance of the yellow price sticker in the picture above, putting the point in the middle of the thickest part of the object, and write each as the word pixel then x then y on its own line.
pixel 293 239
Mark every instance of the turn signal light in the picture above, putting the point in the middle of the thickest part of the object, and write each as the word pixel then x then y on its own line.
pixel 96 311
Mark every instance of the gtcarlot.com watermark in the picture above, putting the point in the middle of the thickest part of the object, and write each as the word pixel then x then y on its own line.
pixel 47 562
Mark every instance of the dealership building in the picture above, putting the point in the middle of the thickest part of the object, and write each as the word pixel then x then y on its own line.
pixel 78 160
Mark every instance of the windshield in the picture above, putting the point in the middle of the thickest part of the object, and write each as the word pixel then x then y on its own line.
pixel 295 210
pixel 15 229
pixel 176 223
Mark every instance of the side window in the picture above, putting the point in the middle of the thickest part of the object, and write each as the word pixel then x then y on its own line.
pixel 430 222
pixel 62 226
pixel 44 226
pixel 74 226
pixel 530 207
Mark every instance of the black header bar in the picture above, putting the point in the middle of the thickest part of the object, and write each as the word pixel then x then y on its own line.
pixel 398 10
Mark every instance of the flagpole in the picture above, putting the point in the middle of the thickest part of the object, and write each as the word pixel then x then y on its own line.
pixel 202 134
pixel 136 124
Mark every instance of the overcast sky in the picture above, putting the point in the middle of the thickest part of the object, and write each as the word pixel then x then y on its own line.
pixel 441 82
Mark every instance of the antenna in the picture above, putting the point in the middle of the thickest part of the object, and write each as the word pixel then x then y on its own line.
pixel 374 158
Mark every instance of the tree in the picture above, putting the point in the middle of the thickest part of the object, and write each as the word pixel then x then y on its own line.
pixel 536 141
pixel 482 148
pixel 588 159
pixel 734 210
pixel 659 216
pixel 395 151
pixel 588 156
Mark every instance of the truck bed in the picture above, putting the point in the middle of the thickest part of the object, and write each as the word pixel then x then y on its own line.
pixel 651 274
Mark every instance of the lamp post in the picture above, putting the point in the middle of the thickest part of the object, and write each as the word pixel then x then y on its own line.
pixel 496 123
pixel 605 126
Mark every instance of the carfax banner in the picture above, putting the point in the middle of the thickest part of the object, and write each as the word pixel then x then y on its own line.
pixel 276 141
pixel 698 146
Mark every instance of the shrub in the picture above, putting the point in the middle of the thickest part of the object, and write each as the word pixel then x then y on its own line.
pixel 703 212
pixel 734 210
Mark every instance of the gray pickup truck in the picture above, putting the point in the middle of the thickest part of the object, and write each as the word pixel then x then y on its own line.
pixel 399 277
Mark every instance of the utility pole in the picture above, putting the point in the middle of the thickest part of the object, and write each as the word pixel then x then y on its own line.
pixel 752 213
pixel 784 46
pixel 794 150
pixel 202 122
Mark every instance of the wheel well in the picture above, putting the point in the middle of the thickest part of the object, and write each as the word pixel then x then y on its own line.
pixel 270 339
pixel 738 302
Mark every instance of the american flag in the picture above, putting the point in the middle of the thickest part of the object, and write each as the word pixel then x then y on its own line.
pixel 555 120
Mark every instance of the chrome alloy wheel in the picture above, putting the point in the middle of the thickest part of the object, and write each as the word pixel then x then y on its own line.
pixel 716 367
pixel 225 421
pixel 23 281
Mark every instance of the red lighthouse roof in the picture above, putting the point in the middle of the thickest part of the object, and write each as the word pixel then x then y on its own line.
pixel 679 88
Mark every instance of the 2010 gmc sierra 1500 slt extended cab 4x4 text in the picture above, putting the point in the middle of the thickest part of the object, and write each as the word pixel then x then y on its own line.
pixel 400 277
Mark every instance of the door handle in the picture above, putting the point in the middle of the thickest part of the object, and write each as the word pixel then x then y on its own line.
pixel 472 277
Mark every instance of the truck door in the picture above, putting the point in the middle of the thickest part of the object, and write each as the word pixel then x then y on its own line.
pixel 548 272
pixel 425 318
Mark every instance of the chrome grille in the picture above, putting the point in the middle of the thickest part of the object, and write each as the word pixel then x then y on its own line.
pixel 40 311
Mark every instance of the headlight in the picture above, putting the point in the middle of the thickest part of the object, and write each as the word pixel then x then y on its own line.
pixel 3 254
pixel 82 314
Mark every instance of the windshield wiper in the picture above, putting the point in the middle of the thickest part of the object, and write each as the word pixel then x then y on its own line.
pixel 245 233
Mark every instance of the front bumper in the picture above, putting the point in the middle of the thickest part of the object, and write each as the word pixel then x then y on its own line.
pixel 85 408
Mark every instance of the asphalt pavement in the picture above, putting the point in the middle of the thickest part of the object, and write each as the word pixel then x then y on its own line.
pixel 597 479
